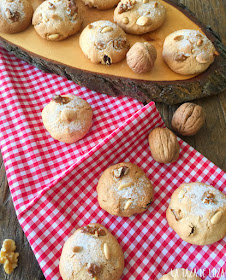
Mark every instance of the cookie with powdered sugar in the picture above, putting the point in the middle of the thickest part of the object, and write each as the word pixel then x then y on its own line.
pixel 104 42
pixel 188 52
pixel 179 274
pixel 15 15
pixel 197 213
pixel 101 4
pixel 67 118
pixel 91 253
pixel 139 16
pixel 56 20
pixel 124 190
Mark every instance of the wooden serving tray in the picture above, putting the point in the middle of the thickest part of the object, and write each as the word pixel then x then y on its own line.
pixel 161 84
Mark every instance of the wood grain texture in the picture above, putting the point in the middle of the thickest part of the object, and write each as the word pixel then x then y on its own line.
pixel 210 141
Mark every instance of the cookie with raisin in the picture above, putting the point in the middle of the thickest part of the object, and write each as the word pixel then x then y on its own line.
pixel 92 252
pixel 104 42
pixel 197 213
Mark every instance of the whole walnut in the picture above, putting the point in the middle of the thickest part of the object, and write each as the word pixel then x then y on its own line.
pixel 141 57
pixel 188 119
pixel 163 145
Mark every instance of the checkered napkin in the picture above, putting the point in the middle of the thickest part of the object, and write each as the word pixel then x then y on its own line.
pixel 53 185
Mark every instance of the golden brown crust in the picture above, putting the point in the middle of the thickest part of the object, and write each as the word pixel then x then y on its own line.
pixel 56 20
pixel 15 15
pixel 197 213
pixel 92 251
pixel 124 190
pixel 67 121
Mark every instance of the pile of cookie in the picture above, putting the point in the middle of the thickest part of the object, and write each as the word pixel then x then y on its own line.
pixel 186 52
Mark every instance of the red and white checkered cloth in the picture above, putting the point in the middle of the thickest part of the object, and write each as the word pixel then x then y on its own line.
pixel 53 185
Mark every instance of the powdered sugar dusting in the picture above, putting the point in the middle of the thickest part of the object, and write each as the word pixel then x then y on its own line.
pixel 136 191
pixel 195 193
pixel 54 116
pixel 91 249
pixel 14 6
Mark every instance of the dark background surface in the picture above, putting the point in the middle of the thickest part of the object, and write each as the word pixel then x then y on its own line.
pixel 210 141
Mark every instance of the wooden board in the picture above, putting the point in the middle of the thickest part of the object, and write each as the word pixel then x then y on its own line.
pixel 161 84
pixel 210 141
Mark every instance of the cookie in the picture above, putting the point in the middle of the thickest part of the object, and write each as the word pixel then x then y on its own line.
pixel 139 16
pixel 55 20
pixel 67 118
pixel 197 213
pixel 92 252
pixel 124 190
pixel 104 42
pixel 179 274
pixel 101 4
pixel 15 15
pixel 188 52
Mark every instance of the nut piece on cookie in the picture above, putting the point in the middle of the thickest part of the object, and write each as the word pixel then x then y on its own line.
pixel 197 213
pixel 139 16
pixel 92 252
pixel 124 190
pixel 188 119
pixel 180 273
pixel 104 42
pixel 15 15
pixel 8 256
pixel 100 4
pixel 57 20
pixel 141 57
pixel 163 145
pixel 67 118
pixel 188 52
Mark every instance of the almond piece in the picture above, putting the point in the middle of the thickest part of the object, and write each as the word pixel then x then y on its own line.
pixel 178 38
pixel 199 43
pixel 128 204
pixel 53 36
pixel 125 20
pixel 106 29
pixel 216 218
pixel 107 251
pixel 143 21
pixel 123 186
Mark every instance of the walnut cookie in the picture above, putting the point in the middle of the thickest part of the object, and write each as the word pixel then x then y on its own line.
pixel 15 15
pixel 188 52
pixel 124 190
pixel 139 16
pixel 55 20
pixel 197 213
pixel 67 118
pixel 101 4
pixel 104 42
pixel 91 253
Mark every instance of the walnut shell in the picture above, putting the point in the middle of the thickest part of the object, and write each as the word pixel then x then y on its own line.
pixel 188 119
pixel 141 57
pixel 163 145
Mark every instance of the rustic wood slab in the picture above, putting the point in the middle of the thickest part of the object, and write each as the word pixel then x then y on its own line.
pixel 210 141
